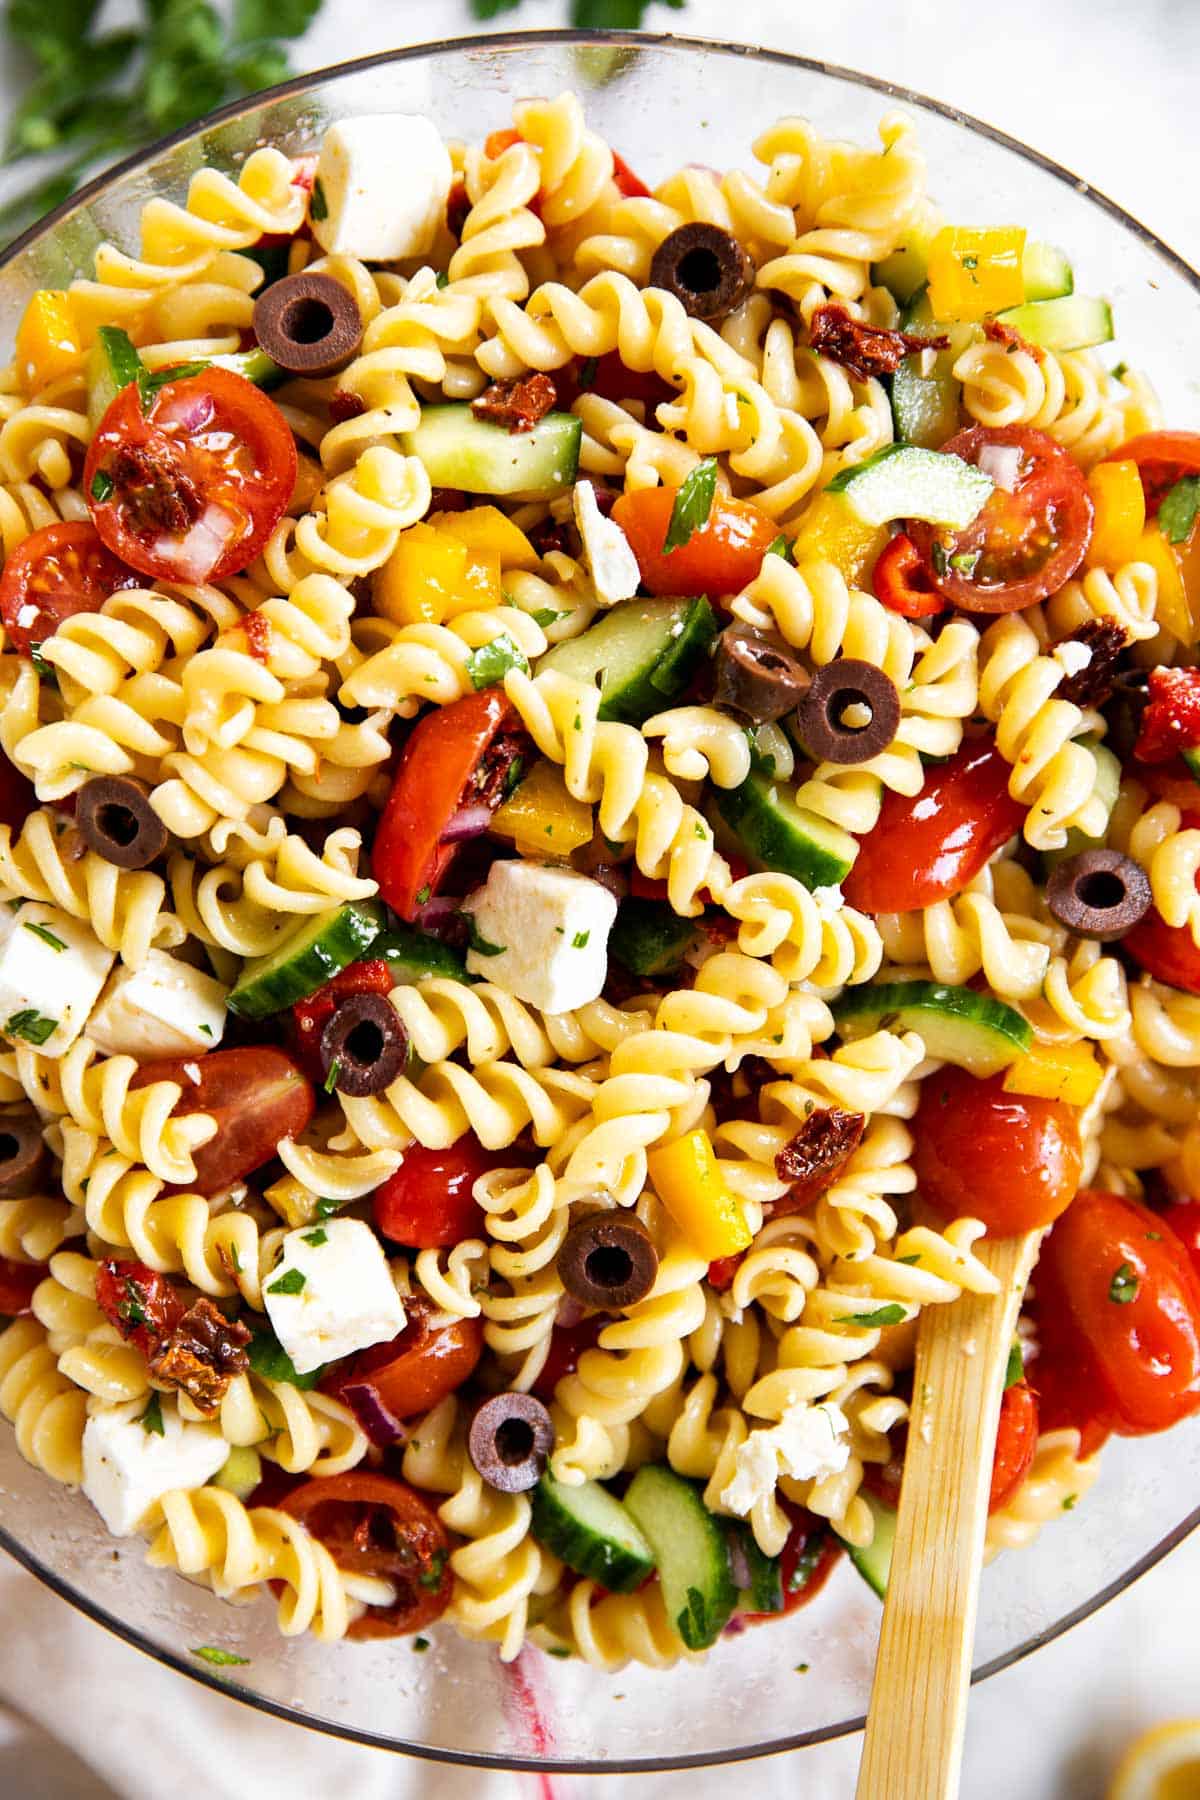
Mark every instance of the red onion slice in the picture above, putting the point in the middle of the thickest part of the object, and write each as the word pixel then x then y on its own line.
pixel 380 1424
pixel 468 822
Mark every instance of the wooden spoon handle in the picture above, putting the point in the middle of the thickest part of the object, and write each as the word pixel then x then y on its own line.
pixel 915 1724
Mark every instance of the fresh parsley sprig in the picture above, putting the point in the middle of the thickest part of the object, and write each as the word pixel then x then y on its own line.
pixel 587 15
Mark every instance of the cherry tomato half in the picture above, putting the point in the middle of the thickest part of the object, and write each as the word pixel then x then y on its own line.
pixel 1124 1285
pixel 53 574
pixel 17 1283
pixel 419 1366
pixel 1028 538
pixel 1168 952
pixel 440 759
pixel 258 1097
pixel 928 847
pixel 1162 458
pixel 1008 1159
pixel 142 1304
pixel 632 186
pixel 567 1345
pixel 428 1201
pixel 722 556
pixel 808 1558
pixel 190 488
pixel 375 1525
pixel 901 582
pixel 1016 1442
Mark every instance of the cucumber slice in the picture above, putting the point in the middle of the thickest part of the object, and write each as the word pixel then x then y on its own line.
pixel 874 1563
pixel 1048 274
pixel 690 1549
pixel 907 481
pixel 763 1592
pixel 642 653
pixel 649 938
pixel 114 362
pixel 775 833
pixel 240 1473
pixel 906 270
pixel 306 958
pixel 461 451
pixel 1073 323
pixel 412 954
pixel 925 401
pixel 957 1025
pixel 592 1532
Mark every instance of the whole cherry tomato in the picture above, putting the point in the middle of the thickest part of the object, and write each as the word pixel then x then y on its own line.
pixel 428 1202
pixel 17 1283
pixel 1029 536
pixel 901 582
pixel 258 1097
pixel 144 1305
pixel 1162 458
pixel 1183 1216
pixel 374 1525
pixel 53 574
pixel 1124 1287
pixel 1016 1442
pixel 190 486
pixel 720 557
pixel 1008 1159
pixel 419 1366
pixel 929 846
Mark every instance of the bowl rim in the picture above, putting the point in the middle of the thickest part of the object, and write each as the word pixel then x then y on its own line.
pixel 635 40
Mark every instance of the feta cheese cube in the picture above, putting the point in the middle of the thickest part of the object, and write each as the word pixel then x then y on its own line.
pixel 614 567
pixel 165 1008
pixel 541 934
pixel 127 1469
pixel 384 183
pixel 331 1293
pixel 808 1443
pixel 52 968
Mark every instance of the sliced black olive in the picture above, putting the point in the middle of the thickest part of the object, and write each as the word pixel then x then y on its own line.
pixel 827 721
pixel 510 1439
pixel 1099 894
pixel 705 268
pixel 608 1260
pixel 363 1046
pixel 308 324
pixel 22 1155
pixel 118 822
pixel 757 677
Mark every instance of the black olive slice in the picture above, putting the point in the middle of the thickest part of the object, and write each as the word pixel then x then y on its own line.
pixel 826 716
pixel 118 822
pixel 1099 894
pixel 757 677
pixel 510 1439
pixel 608 1260
pixel 705 268
pixel 22 1155
pixel 308 324
pixel 363 1045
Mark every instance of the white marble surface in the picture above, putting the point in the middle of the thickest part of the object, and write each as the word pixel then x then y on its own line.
pixel 1108 88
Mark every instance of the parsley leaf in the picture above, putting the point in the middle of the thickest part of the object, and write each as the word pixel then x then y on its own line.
pixel 331 1080
pixel 491 662
pixel 579 941
pixel 317 1238
pixel 432 1576
pixel 1015 1369
pixel 693 503
pixel 268 1358
pixel 893 1314
pixel 292 1281
pixel 30 1025
pixel 1123 1286
pixel 325 1208
pixel 44 932
pixel 220 1659
pixel 1177 514
pixel 152 1419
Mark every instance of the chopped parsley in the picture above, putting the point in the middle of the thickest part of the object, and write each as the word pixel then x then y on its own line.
pixel 579 941
pixel 1015 1368
pixel 325 1208
pixel 318 206
pixel 317 1238
pixel 423 895
pixel 292 1281
pixel 152 1419
pixel 1068 1504
pixel 268 1358
pixel 545 616
pixel 513 774
pixel 44 932
pixel 220 1659
pixel 914 1258
pixel 693 504
pixel 420 1645
pixel 331 1080
pixel 443 279
pixel 559 1650
pixel 893 1314
pixel 941 562
pixel 963 562
pixel 491 662
pixel 102 485
pixel 970 262
pixel 1123 1286
pixel 801 1669
pixel 480 944
pixel 30 1025
pixel 1177 514
pixel 207 1030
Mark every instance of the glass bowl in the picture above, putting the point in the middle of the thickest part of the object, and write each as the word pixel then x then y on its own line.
pixel 660 101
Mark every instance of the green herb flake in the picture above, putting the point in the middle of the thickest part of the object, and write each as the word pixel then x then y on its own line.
pixel 1070 1502
pixel 423 894
pixel 220 1659
pixel 30 1025
pixel 513 774
pixel 1015 1367
pixel 480 944
pixel 325 1208
pixel 910 1260
pixel 331 1080
pixel 207 1030
pixel 781 547
pixel 1124 1285
pixel 317 1238
pixel 420 1645
pixel 579 941
pixel 102 485
pixel 806 1563
pixel 431 1577
pixel 443 280
pixel 292 1281
pixel 801 1669
pixel 152 1419
pixel 491 662
pixel 268 1358
pixel 1153 1237
pixel 693 504
pixel 941 561
pixel 545 616
pixel 1177 514
pixel 892 1314
pixel 559 1650
pixel 318 206
pixel 587 373
pixel 44 932
pixel 45 672
pixel 970 262
pixel 964 562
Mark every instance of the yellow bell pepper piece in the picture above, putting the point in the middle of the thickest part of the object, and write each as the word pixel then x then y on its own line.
pixel 1178 610
pixel 542 818
pixel 833 532
pixel 1120 504
pixel 1067 1072
pixel 487 531
pixel 431 575
pixel 687 1180
pixel 976 271
pixel 48 342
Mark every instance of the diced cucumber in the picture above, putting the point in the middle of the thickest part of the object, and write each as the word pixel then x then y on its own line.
pixel 775 833
pixel 874 1563
pixel 412 954
pixel 240 1473
pixel 925 400
pixel 306 958
pixel 252 365
pixel 461 451
pixel 763 1592
pixel 592 1533
pixel 957 1025
pixel 1048 274
pixel 649 938
pixel 906 481
pixel 642 653
pixel 114 362
pixel 690 1550
pixel 1108 786
pixel 1073 323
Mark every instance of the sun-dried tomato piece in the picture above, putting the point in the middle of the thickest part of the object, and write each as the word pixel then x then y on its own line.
pixel 344 405
pixel 517 405
pixel 158 494
pixel 865 350
pixel 202 1355
pixel 819 1151
pixel 1093 685
pixel 144 1305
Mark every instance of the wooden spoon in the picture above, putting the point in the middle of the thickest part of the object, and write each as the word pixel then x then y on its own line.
pixel 918 1711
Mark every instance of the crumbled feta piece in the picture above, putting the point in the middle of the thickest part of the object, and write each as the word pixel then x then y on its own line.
pixel 541 934
pixel 830 899
pixel 127 1467
pixel 52 968
pixel 381 188
pixel 331 1293
pixel 808 1443
pixel 614 567
pixel 1072 656
pixel 165 1008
